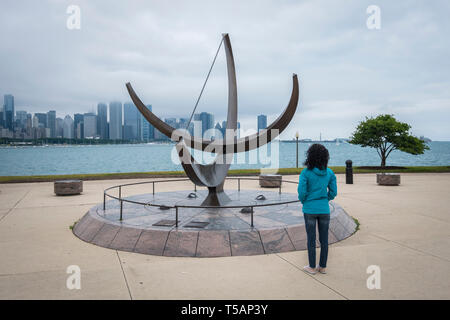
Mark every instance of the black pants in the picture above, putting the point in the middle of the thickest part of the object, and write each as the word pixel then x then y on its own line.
pixel 323 221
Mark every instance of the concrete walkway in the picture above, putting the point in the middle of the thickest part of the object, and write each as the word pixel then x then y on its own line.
pixel 405 230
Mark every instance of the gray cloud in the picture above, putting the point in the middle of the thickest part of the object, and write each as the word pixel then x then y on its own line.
pixel 165 49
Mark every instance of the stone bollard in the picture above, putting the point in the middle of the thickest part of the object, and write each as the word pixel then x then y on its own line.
pixel 348 172
pixel 68 187
pixel 388 179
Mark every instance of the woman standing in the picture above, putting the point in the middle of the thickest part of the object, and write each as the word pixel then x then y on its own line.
pixel 317 186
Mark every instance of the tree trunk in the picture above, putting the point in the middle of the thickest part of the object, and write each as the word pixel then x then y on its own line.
pixel 383 160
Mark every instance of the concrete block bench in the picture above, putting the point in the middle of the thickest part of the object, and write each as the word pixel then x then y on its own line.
pixel 68 187
pixel 270 180
pixel 388 179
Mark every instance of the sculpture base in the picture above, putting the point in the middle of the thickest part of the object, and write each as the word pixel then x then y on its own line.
pixel 205 232
pixel 216 197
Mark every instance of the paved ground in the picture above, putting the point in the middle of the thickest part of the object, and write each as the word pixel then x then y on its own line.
pixel 405 230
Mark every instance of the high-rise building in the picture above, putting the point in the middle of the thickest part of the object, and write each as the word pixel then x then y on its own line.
pixel 172 122
pixel 238 129
pixel 182 124
pixel 21 119
pixel 29 124
pixel 262 122
pixel 42 120
pixel 206 119
pixel 68 127
pixel 78 126
pixel 102 121
pixel 51 123
pixel 59 128
pixel 35 122
pixel 148 131
pixel 162 137
pixel 115 120
pixel 90 125
pixel 8 111
pixel 132 122
pixel 219 131
pixel 238 135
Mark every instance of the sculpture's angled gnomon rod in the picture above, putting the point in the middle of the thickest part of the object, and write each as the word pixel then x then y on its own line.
pixel 204 85
pixel 218 145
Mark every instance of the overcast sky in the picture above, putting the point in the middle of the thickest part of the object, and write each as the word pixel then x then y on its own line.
pixel 165 48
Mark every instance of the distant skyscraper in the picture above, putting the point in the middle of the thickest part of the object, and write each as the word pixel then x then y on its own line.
pixel 220 132
pixel 42 119
pixel 78 126
pixel 262 122
pixel 68 127
pixel 51 123
pixel 182 124
pixel 207 120
pixel 172 122
pixel 8 111
pixel 29 124
pixel 238 129
pixel 132 122
pixel 90 125
pixel 59 127
pixel 115 120
pixel 162 137
pixel 21 119
pixel 102 121
pixel 148 130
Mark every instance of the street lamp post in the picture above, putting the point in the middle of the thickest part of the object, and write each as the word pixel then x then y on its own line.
pixel 296 153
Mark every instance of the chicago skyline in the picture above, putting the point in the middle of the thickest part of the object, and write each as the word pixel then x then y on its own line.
pixel 125 123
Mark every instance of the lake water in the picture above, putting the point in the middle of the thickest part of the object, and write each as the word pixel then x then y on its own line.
pixel 47 160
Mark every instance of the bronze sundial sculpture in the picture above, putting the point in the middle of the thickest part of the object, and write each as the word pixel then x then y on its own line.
pixel 213 175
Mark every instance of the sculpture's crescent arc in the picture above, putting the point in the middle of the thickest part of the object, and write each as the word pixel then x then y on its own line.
pixel 240 145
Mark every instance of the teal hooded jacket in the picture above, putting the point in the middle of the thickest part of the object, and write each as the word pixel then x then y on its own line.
pixel 315 188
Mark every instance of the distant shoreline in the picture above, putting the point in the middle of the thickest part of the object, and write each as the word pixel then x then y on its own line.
pixel 237 172
pixel 96 143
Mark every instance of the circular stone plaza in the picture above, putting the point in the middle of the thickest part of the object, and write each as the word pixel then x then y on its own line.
pixel 175 224
pixel 404 230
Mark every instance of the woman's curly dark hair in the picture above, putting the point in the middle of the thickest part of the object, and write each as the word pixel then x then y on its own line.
pixel 317 156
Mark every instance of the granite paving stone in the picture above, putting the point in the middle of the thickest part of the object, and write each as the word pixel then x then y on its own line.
pixel 213 244
pixel 151 242
pixel 126 239
pixel 276 240
pixel 245 243
pixel 181 244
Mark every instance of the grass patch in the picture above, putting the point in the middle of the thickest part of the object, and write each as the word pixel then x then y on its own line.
pixel 235 172
pixel 73 226
pixel 357 223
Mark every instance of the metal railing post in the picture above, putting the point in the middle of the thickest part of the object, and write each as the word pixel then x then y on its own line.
pixel 239 184
pixel 195 187
pixel 251 216
pixel 176 217
pixel 120 192
pixel 279 189
pixel 104 200
pixel 153 187
pixel 121 209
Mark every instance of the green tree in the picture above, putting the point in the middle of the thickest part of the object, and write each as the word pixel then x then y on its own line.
pixel 386 134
